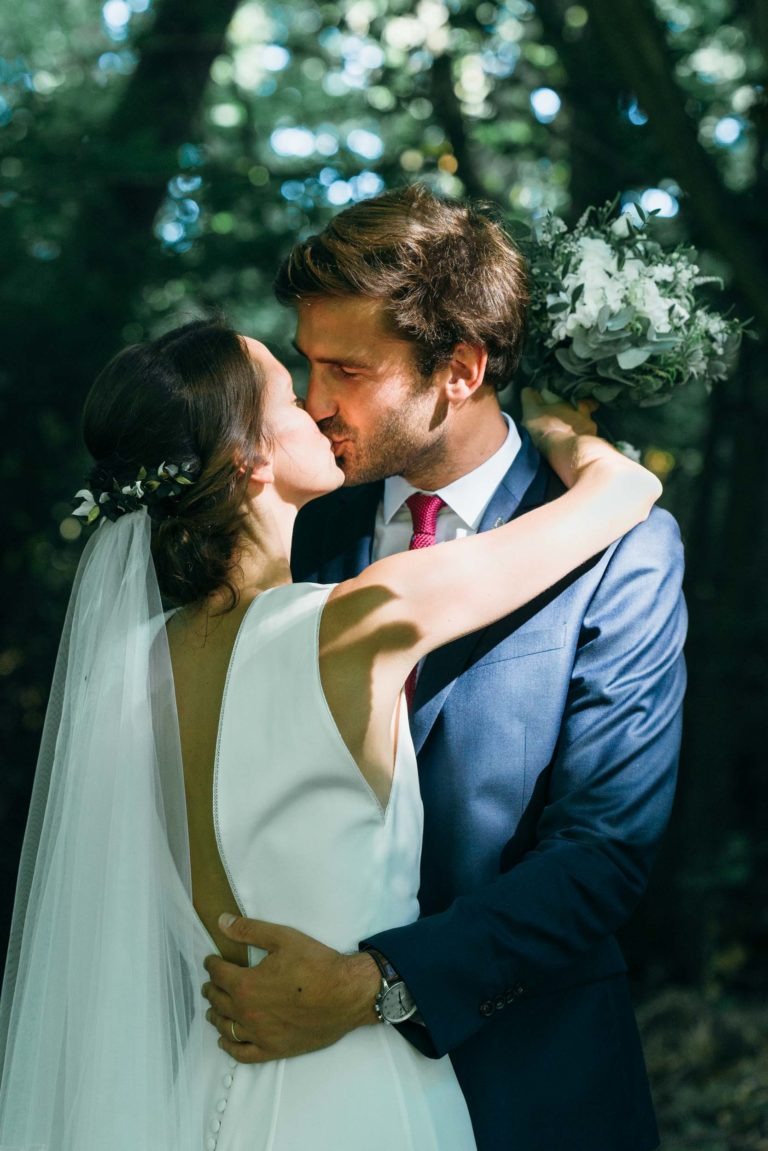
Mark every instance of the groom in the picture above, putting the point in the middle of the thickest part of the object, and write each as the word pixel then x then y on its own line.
pixel 547 744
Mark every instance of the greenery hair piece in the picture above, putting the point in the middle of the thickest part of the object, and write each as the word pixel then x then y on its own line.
pixel 151 489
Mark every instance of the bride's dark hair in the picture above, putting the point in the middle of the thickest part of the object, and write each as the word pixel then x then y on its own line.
pixel 192 397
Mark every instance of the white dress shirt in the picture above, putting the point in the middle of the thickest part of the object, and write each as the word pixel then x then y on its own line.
pixel 466 500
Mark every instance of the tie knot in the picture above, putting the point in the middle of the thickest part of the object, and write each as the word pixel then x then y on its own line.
pixel 424 509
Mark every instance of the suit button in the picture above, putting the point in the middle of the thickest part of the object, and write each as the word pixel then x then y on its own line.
pixel 486 1008
pixel 501 1003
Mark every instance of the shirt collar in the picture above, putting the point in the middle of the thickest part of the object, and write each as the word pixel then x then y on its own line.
pixel 470 494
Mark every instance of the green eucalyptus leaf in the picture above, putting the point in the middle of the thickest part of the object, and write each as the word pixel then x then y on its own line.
pixel 603 316
pixel 606 392
pixel 633 357
pixel 570 362
pixel 621 318
pixel 654 401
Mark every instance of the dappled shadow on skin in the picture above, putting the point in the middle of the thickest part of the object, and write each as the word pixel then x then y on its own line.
pixel 347 667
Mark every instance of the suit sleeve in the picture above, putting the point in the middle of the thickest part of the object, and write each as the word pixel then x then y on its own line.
pixel 609 797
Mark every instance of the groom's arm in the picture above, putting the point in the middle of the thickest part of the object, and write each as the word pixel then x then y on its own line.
pixel 610 794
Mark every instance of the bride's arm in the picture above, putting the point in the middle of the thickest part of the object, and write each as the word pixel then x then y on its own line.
pixel 406 605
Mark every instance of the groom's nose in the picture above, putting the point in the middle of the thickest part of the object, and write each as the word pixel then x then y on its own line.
pixel 320 402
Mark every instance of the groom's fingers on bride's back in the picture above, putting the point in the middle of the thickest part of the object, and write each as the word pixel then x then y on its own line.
pixel 217 996
pixel 253 932
pixel 242 1048
pixel 244 1052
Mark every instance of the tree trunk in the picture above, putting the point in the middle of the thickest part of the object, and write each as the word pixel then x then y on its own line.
pixel 449 115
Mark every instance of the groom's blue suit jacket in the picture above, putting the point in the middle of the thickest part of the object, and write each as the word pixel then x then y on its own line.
pixel 547 747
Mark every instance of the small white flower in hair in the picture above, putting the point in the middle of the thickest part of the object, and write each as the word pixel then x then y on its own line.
pixel 88 504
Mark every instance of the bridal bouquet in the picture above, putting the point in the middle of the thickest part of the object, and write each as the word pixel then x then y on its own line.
pixel 616 318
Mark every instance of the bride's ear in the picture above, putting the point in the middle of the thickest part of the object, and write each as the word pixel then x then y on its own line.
pixel 262 473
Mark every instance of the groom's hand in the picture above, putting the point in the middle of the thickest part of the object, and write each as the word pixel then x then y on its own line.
pixel 302 996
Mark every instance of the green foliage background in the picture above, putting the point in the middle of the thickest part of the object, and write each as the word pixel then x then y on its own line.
pixel 158 157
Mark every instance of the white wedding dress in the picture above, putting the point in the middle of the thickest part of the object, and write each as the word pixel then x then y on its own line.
pixel 306 843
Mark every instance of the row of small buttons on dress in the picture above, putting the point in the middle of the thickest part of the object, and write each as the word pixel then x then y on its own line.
pixel 221 1105
pixel 489 1006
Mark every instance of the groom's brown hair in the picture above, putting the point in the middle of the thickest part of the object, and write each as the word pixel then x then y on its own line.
pixel 446 272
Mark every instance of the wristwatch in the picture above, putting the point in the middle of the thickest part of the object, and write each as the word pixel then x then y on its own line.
pixel 394 1003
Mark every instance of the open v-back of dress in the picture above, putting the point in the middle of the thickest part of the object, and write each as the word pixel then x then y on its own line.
pixel 305 842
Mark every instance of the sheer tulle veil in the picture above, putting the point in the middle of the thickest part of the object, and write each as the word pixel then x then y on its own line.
pixel 101 1013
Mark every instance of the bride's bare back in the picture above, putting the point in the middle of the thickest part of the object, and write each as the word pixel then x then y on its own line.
pixel 200 662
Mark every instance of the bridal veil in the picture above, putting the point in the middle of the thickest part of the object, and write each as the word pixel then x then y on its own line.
pixel 101 1013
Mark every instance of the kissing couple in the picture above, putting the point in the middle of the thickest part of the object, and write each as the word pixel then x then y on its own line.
pixel 365 722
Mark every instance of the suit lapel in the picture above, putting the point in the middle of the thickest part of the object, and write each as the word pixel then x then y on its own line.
pixel 523 487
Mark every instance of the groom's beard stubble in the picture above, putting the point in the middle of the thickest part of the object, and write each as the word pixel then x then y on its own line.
pixel 395 447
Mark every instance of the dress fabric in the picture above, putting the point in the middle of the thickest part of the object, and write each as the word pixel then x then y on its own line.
pixel 306 843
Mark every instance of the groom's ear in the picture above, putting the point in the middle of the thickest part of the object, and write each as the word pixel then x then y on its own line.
pixel 465 371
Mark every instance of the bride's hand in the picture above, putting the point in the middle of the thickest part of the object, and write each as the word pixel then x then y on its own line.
pixel 567 436
pixel 543 419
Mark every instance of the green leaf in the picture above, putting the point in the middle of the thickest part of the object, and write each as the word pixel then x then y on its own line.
pixel 606 392
pixel 603 316
pixel 633 357
pixel 621 318
pixel 570 362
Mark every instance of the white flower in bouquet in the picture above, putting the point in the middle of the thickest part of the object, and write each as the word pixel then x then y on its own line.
pixel 616 318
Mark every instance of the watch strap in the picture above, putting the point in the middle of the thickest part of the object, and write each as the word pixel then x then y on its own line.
pixel 387 971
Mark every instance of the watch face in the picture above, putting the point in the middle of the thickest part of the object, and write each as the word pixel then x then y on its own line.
pixel 397 1003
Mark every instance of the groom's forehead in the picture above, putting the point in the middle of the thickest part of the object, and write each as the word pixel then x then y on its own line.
pixel 327 325
pixel 324 311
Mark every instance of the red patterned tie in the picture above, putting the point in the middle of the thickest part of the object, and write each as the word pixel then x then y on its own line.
pixel 423 509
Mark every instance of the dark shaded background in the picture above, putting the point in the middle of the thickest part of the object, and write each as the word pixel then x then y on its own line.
pixel 158 157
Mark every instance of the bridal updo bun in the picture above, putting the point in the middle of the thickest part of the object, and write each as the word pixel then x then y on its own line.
pixel 195 398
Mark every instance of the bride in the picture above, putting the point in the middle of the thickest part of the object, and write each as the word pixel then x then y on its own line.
pixel 249 748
